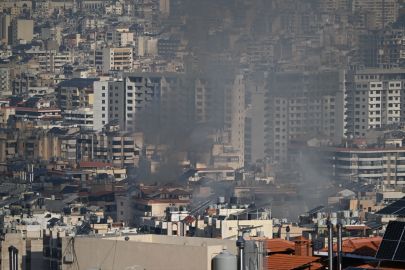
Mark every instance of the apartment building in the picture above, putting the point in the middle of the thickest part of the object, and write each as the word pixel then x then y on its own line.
pixel 75 93
pixel 92 23
pixel 385 11
pixel 381 48
pixel 114 59
pixel 21 30
pixel 164 6
pixel 81 117
pixel 298 104
pixel 120 36
pixel 382 161
pixel 173 98
pixel 49 60
pixel 36 113
pixel 5 22
pixel 4 79
pixel 54 33
pixel 119 148
pixel 384 164
pixel 373 98
pixel 145 45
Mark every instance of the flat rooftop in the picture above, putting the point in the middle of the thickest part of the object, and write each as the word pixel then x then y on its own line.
pixel 165 239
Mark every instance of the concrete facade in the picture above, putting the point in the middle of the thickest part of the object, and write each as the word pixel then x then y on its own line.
pixel 21 30
pixel 144 251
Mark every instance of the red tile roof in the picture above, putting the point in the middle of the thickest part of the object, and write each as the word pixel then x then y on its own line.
pixel 367 246
pixel 288 262
pixel 279 245
pixel 357 227
pixel 189 219
pixel 180 192
pixel 100 193
pixel 89 164
pixel 389 265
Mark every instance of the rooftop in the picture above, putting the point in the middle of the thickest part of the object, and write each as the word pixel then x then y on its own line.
pixel 287 262
pixel 359 246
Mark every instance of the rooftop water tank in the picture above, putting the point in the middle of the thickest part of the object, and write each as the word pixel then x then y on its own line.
pixel 320 222
pixel 234 200
pixel 83 211
pixel 319 215
pixel 225 261
pixel 355 214
pixel 67 211
pixel 333 214
pixel 284 221
pixel 221 199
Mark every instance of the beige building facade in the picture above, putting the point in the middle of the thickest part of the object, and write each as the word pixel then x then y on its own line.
pixel 143 251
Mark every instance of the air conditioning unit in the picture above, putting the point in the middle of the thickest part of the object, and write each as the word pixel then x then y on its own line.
pixel 69 258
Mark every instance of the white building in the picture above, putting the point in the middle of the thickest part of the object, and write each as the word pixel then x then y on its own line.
pixel 146 45
pixel 120 36
pixel 373 99
pixel 82 117
pixel 88 24
pixel 109 103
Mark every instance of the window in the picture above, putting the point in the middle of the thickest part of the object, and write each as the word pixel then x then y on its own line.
pixel 129 94
pixel 129 87
pixel 103 94
pixel 102 87
pixel 122 203
pixel 103 101
pixel 103 108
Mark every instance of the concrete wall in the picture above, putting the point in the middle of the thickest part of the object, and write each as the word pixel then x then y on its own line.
pixel 145 251
pixel 99 114
pixel 16 240
pixel 37 254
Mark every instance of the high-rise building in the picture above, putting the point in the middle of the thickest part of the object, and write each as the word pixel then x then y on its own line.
pixel 381 48
pixel 4 79
pixel 75 93
pixel 114 59
pixel 299 104
pixel 21 30
pixel 373 99
pixel 172 98
pixel 164 7
pixel 386 11
pixel 5 24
